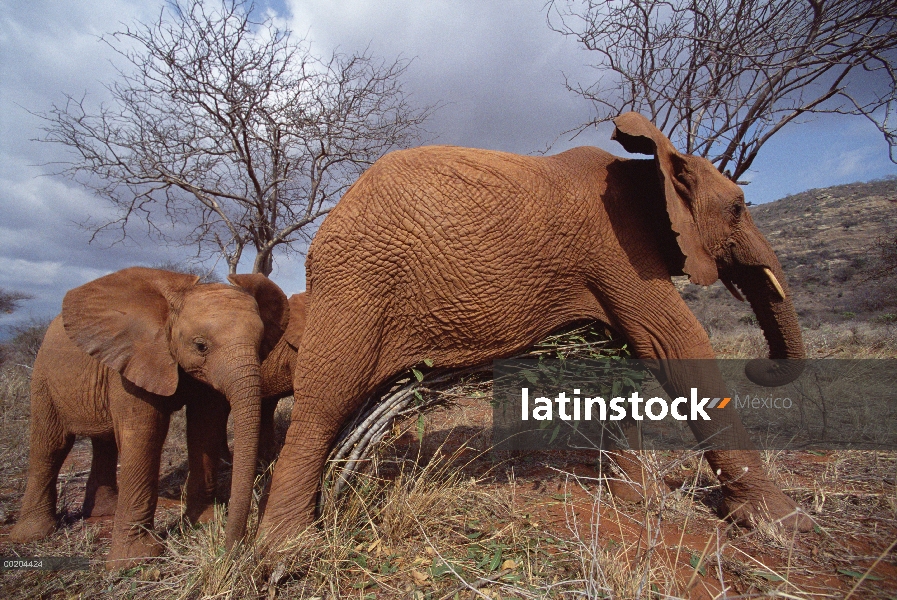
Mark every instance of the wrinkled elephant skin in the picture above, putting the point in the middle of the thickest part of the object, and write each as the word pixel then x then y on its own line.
pixel 204 404
pixel 462 256
pixel 128 350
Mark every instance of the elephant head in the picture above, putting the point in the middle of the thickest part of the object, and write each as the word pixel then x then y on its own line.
pixel 153 326
pixel 718 239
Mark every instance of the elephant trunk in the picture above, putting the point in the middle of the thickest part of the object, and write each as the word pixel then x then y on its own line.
pixel 243 390
pixel 760 277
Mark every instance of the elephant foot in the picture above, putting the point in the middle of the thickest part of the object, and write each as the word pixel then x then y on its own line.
pixel 750 507
pixel 31 529
pixel 625 490
pixel 635 483
pixel 200 514
pixel 132 552
pixel 102 504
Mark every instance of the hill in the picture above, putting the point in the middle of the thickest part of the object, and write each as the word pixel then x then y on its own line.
pixel 828 243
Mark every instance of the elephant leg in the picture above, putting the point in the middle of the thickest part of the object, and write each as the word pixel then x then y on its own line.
pixel 49 446
pixel 140 447
pixel 266 432
pixel 330 384
pixel 290 506
pixel 101 495
pixel 749 496
pixel 206 437
pixel 635 483
pixel 671 332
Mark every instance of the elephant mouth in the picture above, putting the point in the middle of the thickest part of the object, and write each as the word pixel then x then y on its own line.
pixel 730 284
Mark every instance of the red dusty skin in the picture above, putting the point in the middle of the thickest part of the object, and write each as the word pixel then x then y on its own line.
pixel 243 390
pixel 756 267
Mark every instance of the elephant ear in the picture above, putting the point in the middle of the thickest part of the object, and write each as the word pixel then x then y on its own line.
pixel 273 307
pixel 121 319
pixel 296 328
pixel 638 135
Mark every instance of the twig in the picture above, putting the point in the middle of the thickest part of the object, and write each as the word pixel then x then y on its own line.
pixel 478 583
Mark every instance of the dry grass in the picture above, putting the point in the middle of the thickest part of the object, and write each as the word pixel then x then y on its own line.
pixel 851 339
pixel 14 395
pixel 439 516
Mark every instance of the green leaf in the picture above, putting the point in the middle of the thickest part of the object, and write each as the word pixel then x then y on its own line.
pixel 417 374
pixel 474 535
pixel 817 528
pixel 562 497
pixel 858 575
pixel 768 576
pixel 428 362
pixel 420 427
pixel 695 562
pixel 388 568
pixel 438 570
pixel 496 559
pixel 554 434
pixel 361 560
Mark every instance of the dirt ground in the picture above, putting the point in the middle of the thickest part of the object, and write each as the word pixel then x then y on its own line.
pixel 555 524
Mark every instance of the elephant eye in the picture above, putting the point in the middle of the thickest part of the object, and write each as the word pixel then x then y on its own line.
pixel 738 210
pixel 200 345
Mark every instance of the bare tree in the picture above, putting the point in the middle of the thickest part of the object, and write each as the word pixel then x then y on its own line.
pixel 720 78
pixel 224 133
pixel 205 275
pixel 9 300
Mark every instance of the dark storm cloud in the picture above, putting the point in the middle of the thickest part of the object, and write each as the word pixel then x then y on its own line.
pixel 51 47
pixel 495 67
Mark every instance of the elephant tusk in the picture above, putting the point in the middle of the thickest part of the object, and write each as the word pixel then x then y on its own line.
pixel 733 290
pixel 775 282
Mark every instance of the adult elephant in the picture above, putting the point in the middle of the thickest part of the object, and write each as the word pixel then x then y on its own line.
pixel 462 256
pixel 128 350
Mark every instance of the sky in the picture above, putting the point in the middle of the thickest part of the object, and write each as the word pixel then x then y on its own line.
pixel 495 68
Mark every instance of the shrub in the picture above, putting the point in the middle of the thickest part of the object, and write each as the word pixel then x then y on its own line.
pixel 26 340
pixel 748 319
pixel 205 276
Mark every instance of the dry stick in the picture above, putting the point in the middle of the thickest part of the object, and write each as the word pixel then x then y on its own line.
pixel 355 447
pixel 476 585
pixel 373 429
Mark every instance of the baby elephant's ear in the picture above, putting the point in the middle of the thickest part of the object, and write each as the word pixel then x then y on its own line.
pixel 273 307
pixel 121 319
pixel 296 328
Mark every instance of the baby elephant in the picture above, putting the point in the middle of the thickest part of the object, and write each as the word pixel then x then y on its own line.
pixel 128 350
pixel 277 383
